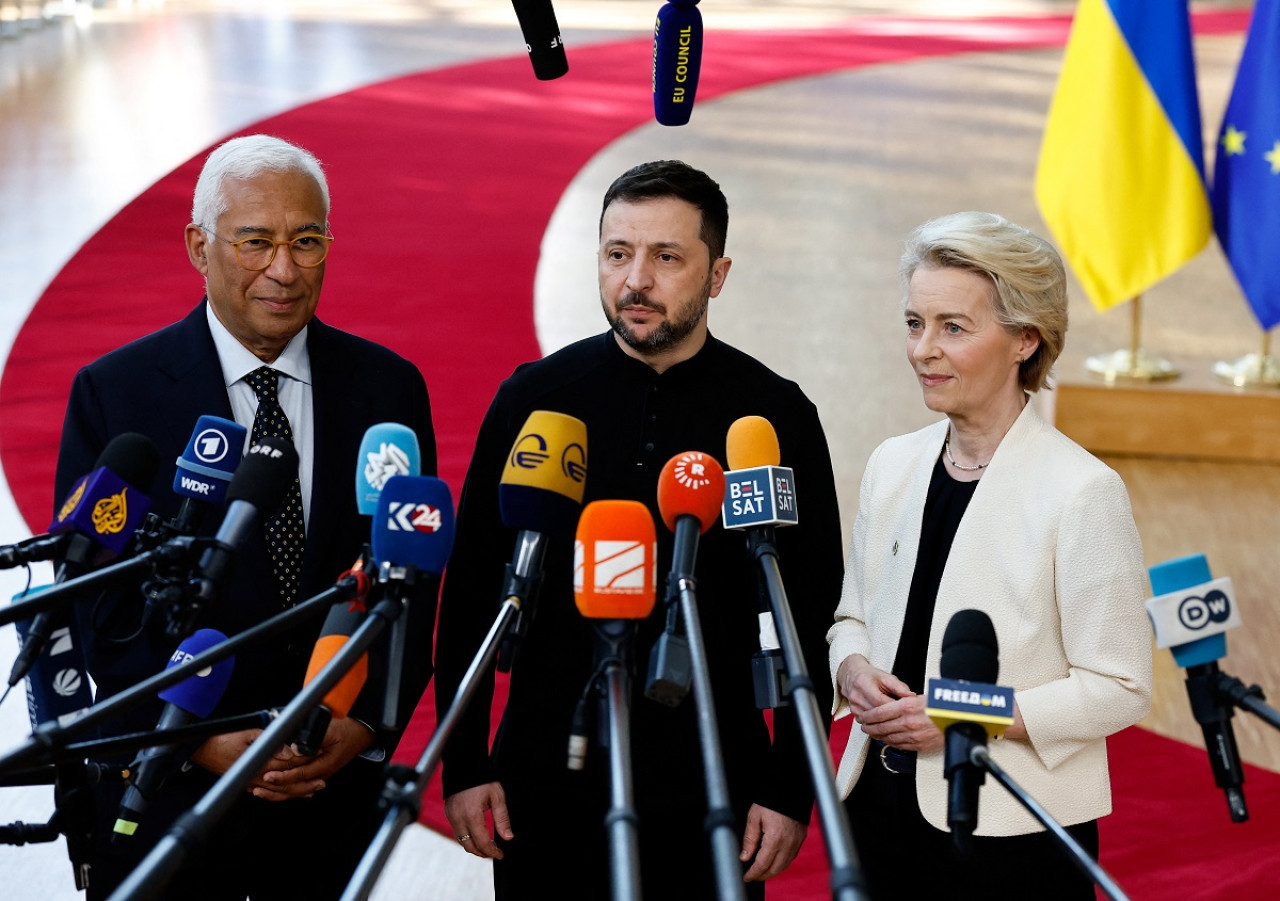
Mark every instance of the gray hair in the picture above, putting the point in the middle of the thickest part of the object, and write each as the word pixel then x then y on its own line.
pixel 247 157
pixel 1029 280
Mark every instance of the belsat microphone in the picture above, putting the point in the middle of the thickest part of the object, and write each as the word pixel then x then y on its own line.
pixel 968 707
pixel 690 493
pixel 540 493
pixel 615 571
pixel 1189 615
pixel 387 449
pixel 542 38
pixel 189 700
pixel 677 60
pixel 205 469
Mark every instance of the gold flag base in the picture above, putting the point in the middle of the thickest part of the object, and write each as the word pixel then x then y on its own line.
pixel 1129 365
pixel 1250 371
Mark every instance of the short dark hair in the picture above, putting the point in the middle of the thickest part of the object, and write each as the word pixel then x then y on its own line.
pixel 673 178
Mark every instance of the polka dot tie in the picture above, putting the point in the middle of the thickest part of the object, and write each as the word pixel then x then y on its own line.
pixel 284 530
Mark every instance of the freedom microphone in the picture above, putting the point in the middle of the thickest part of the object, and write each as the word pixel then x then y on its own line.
pixel 387 449
pixel 539 494
pixel 969 708
pixel 690 494
pixel 677 61
pixel 542 38
pixel 189 700
pixel 614 577
pixel 1190 615
pixel 205 468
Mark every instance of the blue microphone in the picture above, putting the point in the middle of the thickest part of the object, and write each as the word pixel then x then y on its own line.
pixel 186 702
pixel 388 449
pixel 205 469
pixel 677 61
pixel 413 525
pixel 58 677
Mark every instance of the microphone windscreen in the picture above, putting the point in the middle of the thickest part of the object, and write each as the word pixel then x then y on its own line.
pixel 542 38
pixel 210 459
pixel 1178 576
pixel 264 476
pixel 546 474
pixel 969 648
pixel 133 457
pixel 691 484
pixel 103 507
pixel 342 621
pixel 199 693
pixel 752 442
pixel 615 561
pixel 388 449
pixel 413 525
pixel 677 60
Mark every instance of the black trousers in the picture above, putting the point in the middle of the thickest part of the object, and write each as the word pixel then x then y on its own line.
pixel 903 856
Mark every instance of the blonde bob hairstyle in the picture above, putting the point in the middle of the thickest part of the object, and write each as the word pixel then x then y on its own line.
pixel 1027 274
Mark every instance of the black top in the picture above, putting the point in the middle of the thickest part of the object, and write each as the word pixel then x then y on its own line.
pixel 637 419
pixel 943 509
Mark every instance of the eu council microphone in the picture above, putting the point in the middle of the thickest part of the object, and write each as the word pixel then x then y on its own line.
pixel 677 60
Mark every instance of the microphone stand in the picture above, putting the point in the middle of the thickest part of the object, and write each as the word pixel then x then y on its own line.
pixel 159 867
pixel 621 821
pixel 846 875
pixel 1214 695
pixel 980 757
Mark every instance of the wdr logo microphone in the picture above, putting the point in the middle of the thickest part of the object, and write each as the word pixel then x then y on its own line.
pixel 206 466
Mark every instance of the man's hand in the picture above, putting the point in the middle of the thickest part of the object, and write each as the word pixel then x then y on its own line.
pixel 304 776
pixel 466 813
pixel 773 839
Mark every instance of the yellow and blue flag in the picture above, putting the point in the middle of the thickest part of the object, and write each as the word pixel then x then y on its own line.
pixel 1246 173
pixel 1120 181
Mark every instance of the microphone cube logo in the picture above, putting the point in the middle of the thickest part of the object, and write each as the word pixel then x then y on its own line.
pixel 692 470
pixel 618 567
pixel 573 462
pixel 413 517
pixel 211 446
pixel 67 682
pixel 387 461
pixel 1197 612
pixel 1194 612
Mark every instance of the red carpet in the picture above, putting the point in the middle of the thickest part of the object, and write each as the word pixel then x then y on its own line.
pixel 444 182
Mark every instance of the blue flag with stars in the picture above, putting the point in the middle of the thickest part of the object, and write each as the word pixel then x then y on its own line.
pixel 1246 177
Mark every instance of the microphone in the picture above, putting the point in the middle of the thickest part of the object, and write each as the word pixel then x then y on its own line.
pixel 540 493
pixel 205 469
pixel 189 700
pixel 614 573
pixel 542 38
pixel 339 625
pixel 1189 615
pixel 760 494
pixel 58 675
pixel 691 490
pixel 387 449
pixel 677 60
pixel 968 707
pixel 258 487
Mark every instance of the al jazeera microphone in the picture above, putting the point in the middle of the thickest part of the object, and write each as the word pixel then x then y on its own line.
pixel 614 577
pixel 540 494
pixel 677 61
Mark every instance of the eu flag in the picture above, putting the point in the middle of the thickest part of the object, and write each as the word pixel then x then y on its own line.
pixel 1246 175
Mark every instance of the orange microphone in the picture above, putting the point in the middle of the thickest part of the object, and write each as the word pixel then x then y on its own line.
pixel 752 442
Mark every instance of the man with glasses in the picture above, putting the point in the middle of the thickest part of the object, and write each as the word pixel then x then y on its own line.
pixel 254 352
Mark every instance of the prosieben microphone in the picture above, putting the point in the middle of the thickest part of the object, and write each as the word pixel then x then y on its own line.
pixel 1189 615
pixel 191 699
pixel 205 469
pixel 387 449
pixel 614 578
pixel 968 707
pixel 542 38
pixel 677 60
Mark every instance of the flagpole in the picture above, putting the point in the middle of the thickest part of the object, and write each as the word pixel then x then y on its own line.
pixel 1260 370
pixel 1133 364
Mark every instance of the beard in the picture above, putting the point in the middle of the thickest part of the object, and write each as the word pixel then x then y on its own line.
pixel 670 333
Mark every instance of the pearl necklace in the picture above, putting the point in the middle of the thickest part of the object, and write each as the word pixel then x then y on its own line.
pixel 946 445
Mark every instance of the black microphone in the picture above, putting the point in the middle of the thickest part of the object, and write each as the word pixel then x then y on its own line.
pixel 542 38
pixel 967 705
pixel 677 61
pixel 191 699
pixel 256 490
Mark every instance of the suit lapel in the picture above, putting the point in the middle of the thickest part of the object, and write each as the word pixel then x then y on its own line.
pixel 193 376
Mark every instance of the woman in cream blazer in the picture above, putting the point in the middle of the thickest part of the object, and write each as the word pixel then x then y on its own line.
pixel 1041 538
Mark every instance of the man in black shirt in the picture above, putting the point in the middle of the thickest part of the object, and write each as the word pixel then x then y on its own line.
pixel 655 386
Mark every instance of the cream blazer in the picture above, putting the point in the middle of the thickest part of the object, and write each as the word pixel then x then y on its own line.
pixel 1049 550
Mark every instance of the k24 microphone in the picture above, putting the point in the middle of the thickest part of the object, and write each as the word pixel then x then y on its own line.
pixel 1189 615
pixel 677 61
pixel 969 708
pixel 191 699
pixel 387 449
pixel 542 38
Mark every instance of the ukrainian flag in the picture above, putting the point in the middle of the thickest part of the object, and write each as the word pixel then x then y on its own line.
pixel 1121 176
pixel 1246 173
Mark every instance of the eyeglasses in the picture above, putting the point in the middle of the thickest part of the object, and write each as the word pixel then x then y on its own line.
pixel 256 254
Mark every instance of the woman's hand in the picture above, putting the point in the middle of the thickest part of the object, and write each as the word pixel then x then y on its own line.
pixel 865 687
pixel 902 724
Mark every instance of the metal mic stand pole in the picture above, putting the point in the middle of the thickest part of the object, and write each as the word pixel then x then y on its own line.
pixel 621 820
pixel 846 874
pixel 979 756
